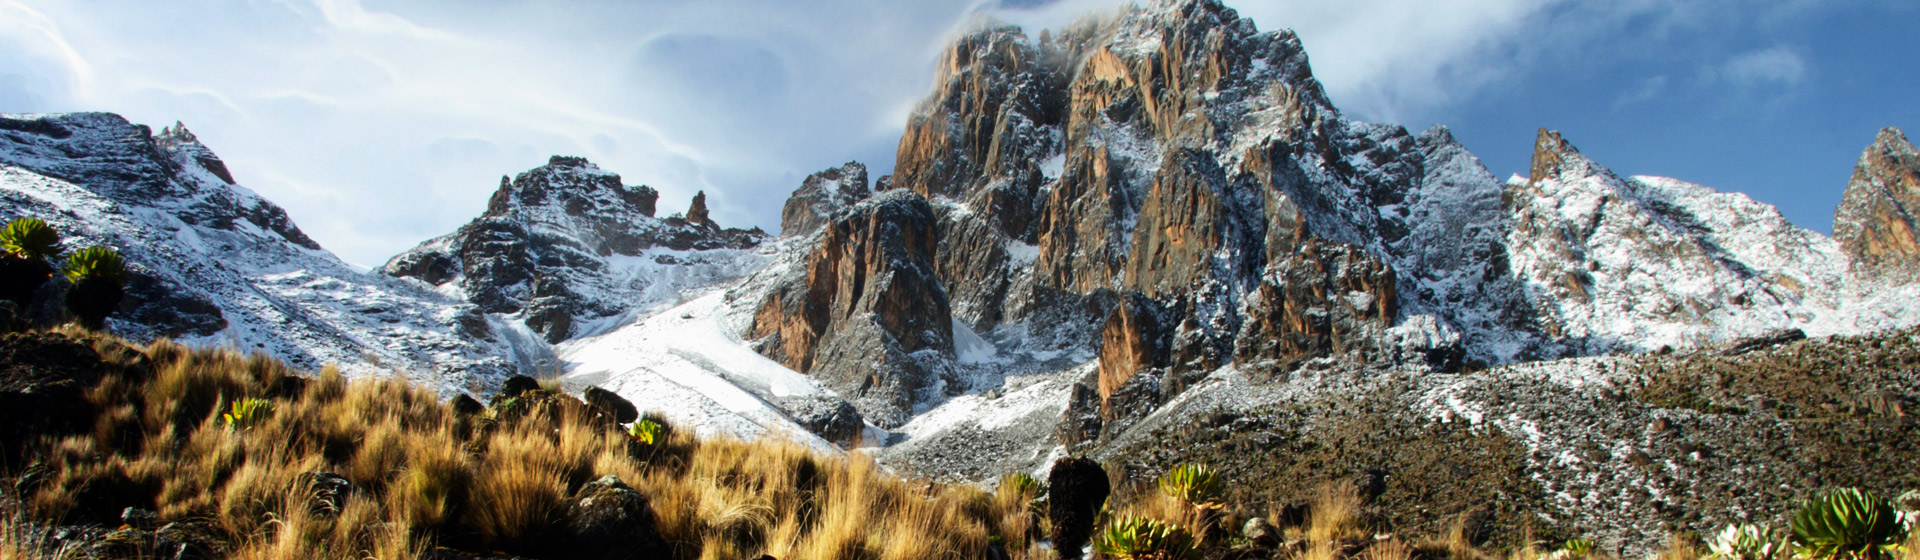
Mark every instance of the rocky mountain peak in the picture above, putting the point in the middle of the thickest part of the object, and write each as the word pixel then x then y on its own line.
pixel 181 142
pixel 1876 222
pixel 1554 157
pixel 697 211
pixel 550 247
pixel 822 194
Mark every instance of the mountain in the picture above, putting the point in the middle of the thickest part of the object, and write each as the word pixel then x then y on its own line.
pixel 214 264
pixel 567 250
pixel 1147 238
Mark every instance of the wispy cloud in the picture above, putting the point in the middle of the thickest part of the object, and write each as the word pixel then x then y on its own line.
pixel 1777 66
pixel 1648 90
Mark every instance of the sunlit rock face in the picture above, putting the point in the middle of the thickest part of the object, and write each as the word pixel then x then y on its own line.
pixel 1876 222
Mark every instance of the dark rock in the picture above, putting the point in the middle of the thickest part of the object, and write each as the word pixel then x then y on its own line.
pixel 189 540
pixel 288 387
pixel 516 386
pixel 326 493
pixel 465 405
pixel 44 379
pixel 142 519
pixel 1750 344
pixel 833 419
pixel 609 520
pixel 611 405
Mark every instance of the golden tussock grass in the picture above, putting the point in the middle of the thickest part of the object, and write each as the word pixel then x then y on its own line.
pixel 425 477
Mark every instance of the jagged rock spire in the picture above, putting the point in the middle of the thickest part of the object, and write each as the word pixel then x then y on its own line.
pixel 1876 223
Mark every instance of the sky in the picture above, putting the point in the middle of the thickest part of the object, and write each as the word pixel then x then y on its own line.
pixel 379 124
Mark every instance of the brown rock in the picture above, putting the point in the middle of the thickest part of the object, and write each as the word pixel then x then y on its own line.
pixel 820 195
pixel 1328 299
pixel 697 212
pixel 1136 338
pixel 868 301
pixel 1875 223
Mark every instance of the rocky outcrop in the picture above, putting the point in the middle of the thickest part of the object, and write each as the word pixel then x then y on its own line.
pixel 1878 221
pixel 1328 299
pixel 607 519
pixel 868 316
pixel 1138 337
pixel 545 251
pixel 821 195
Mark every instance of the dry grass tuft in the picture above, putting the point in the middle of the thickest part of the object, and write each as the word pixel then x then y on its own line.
pixel 424 477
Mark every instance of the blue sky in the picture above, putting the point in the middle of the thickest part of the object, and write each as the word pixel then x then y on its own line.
pixel 378 124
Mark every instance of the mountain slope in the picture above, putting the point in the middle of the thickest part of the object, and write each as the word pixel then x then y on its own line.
pixel 215 264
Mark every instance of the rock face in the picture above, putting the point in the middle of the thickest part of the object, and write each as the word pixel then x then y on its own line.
pixel 1876 222
pixel 566 245
pixel 1175 153
pixel 868 316
pixel 820 195
pixel 213 263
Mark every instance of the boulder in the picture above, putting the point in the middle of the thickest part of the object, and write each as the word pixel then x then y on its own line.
pixel 611 405
pixel 608 520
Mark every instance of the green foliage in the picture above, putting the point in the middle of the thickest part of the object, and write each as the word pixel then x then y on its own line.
pixel 30 238
pixel 1134 538
pixel 1024 484
pixel 1577 547
pixel 646 431
pixel 95 262
pixel 1746 542
pixel 1194 484
pixel 1846 523
pixel 247 413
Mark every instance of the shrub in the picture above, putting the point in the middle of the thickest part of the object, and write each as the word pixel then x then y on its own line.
pixel 25 245
pixel 1194 484
pixel 247 413
pixel 1746 542
pixel 1134 538
pixel 1577 548
pixel 1077 487
pixel 99 279
pixel 1846 523
pixel 646 432
pixel 30 238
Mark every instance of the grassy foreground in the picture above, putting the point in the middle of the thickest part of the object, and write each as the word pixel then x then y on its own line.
pixel 425 477
pixel 238 457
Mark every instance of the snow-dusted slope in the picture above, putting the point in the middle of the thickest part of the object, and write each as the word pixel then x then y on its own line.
pixel 217 265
